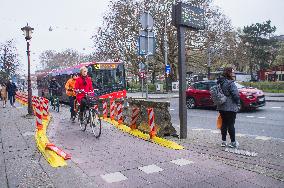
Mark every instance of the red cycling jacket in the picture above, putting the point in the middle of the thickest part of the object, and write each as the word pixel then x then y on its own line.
pixel 79 85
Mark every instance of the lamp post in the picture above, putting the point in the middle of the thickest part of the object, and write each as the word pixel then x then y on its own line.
pixel 28 35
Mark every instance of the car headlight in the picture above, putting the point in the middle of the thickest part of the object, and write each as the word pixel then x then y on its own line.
pixel 248 95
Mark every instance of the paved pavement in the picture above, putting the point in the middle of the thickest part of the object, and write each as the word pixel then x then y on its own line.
pixel 116 159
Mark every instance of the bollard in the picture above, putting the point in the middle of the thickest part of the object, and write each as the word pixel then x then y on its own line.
pixel 119 112
pixel 151 118
pixel 135 114
pixel 104 109
pixel 112 109
pixel 38 115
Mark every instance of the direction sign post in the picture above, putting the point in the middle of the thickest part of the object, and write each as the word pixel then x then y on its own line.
pixel 146 41
pixel 184 16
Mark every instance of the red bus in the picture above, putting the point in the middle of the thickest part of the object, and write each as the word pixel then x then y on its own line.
pixel 108 77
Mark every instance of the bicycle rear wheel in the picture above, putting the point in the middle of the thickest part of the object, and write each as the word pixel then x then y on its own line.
pixel 83 124
pixel 95 123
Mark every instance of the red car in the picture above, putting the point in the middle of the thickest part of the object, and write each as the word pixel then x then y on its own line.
pixel 198 95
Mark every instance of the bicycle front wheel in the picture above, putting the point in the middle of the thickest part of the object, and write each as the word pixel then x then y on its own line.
pixel 95 123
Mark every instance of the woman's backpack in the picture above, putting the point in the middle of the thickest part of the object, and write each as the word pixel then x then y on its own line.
pixel 218 95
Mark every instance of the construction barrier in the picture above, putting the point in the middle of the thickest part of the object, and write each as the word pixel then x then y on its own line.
pixel 112 109
pixel 119 112
pixel 57 150
pixel 135 114
pixel 38 114
pixel 105 112
pixel 151 120
pixel 55 156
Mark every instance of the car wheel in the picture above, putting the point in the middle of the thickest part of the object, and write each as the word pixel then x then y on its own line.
pixel 190 103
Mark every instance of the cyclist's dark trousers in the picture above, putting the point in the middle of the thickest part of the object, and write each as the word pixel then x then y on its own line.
pixel 71 103
pixel 228 124
pixel 82 107
pixel 12 99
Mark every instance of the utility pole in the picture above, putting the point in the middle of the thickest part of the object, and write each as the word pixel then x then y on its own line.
pixel 166 54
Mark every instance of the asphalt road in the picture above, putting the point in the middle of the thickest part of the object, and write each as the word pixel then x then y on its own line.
pixel 266 121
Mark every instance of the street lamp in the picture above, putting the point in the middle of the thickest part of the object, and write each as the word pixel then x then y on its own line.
pixel 28 35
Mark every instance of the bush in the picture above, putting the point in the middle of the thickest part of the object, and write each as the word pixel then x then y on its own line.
pixel 273 87
pixel 134 86
pixel 151 87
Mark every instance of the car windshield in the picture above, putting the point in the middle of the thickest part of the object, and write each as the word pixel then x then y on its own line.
pixel 239 86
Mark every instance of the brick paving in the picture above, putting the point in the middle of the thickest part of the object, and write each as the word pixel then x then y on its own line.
pixel 113 160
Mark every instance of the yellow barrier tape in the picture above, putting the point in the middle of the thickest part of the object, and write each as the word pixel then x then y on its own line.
pixel 137 133
pixel 41 139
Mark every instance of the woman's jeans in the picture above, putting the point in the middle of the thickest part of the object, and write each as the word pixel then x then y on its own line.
pixel 12 99
pixel 228 125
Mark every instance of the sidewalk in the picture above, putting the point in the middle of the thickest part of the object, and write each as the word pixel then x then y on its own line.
pixel 270 97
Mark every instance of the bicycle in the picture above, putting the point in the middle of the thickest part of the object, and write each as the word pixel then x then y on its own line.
pixel 54 101
pixel 90 115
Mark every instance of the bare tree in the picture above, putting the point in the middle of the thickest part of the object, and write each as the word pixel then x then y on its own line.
pixel 9 60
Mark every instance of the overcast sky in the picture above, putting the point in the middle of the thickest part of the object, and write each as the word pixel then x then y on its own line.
pixel 73 21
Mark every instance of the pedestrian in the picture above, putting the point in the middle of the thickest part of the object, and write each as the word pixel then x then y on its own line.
pixel 3 94
pixel 12 88
pixel 70 91
pixel 228 110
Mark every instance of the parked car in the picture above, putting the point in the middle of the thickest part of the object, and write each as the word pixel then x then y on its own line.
pixel 198 95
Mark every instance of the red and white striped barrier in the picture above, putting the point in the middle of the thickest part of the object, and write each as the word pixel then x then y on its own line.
pixel 151 118
pixel 119 112
pixel 57 150
pixel 104 109
pixel 112 109
pixel 44 108
pixel 38 115
pixel 135 114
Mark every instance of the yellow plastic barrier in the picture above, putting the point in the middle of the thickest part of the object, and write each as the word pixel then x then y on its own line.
pixel 137 133
pixel 41 139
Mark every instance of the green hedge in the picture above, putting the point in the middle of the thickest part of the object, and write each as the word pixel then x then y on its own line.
pixel 273 87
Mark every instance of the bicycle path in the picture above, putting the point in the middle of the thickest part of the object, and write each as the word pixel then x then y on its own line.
pixel 117 159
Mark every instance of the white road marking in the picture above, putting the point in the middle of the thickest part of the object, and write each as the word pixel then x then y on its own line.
pixel 250 116
pixel 215 131
pixel 172 109
pixel 201 129
pixel 182 162
pixel 276 107
pixel 261 117
pixel 150 169
pixel 113 177
pixel 240 135
pixel 263 138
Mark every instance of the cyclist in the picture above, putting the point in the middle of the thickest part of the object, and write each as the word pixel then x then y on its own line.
pixel 53 89
pixel 83 83
pixel 70 91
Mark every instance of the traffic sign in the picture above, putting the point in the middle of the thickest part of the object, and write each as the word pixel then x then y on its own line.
pixel 168 69
pixel 143 45
pixel 146 21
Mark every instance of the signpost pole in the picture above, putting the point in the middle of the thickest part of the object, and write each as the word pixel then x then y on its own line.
pixel 147 56
pixel 182 82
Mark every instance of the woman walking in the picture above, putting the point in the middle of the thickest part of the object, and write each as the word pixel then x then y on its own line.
pixel 3 94
pixel 229 109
